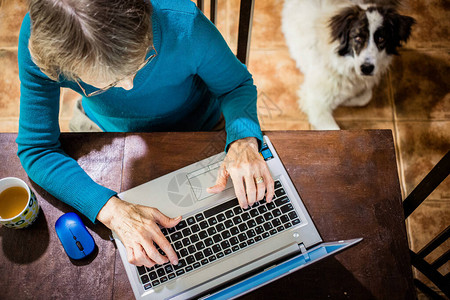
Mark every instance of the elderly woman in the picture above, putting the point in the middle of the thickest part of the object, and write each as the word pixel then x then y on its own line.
pixel 139 66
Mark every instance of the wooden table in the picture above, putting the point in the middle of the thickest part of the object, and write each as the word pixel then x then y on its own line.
pixel 348 181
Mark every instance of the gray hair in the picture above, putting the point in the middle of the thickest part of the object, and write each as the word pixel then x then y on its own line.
pixel 106 39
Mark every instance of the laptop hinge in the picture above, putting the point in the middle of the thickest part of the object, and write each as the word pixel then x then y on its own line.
pixel 304 252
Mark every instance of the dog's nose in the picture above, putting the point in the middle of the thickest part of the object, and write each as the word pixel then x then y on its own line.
pixel 367 69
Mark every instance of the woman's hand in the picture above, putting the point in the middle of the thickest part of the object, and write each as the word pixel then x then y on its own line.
pixel 249 172
pixel 137 228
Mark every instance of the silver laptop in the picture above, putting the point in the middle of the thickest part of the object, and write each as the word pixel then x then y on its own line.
pixel 223 250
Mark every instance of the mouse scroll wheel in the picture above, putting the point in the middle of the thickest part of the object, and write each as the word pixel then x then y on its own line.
pixel 80 246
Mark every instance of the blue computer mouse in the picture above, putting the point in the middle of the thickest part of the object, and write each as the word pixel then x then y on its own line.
pixel 76 240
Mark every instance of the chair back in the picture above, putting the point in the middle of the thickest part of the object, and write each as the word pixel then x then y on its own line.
pixel 431 181
pixel 244 28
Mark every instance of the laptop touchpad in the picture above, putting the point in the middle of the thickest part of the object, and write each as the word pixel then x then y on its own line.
pixel 203 179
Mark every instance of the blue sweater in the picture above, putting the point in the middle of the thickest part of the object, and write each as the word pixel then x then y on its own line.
pixel 186 86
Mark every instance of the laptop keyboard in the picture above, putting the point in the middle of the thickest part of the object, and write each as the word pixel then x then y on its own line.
pixel 215 233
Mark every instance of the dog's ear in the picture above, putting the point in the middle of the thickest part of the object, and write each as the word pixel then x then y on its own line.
pixel 400 30
pixel 340 26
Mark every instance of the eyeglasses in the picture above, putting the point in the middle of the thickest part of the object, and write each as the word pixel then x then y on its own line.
pixel 102 90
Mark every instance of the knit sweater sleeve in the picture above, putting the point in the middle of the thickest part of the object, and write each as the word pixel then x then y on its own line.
pixel 39 148
pixel 227 78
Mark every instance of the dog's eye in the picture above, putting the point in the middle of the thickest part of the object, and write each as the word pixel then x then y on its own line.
pixel 380 39
pixel 358 39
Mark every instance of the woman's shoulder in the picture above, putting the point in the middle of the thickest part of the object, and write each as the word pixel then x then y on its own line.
pixel 178 7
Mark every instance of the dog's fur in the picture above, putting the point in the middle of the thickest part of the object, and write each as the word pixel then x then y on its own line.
pixel 342 48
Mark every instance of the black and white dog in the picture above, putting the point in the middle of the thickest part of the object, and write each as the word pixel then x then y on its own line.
pixel 342 48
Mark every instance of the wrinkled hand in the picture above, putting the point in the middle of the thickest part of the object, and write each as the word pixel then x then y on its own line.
pixel 137 228
pixel 244 164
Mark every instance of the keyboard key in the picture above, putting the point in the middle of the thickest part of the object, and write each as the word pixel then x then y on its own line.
pixel 237 220
pixel 220 208
pixel 237 210
pixel 180 272
pixel 183 252
pixel 144 279
pixel 254 213
pixel 181 264
pixel 251 223
pixel 190 260
pixel 203 224
pixel 259 229
pixel 229 214
pixel 276 222
pixel 141 270
pixel 182 224
pixel 268 216
pixel 227 251
pixel 225 234
pixel 163 279
pixel 277 184
pixel 171 230
pixel 204 261
pixel 199 256
pixel 234 240
pixel 207 252
pixel 242 237
pixel 220 227
pixel 228 223
pixel 203 234
pixel 190 221
pixel 286 208
pixel 287 225
pixel 211 231
pixel 268 226
pixel 284 219
pixel 200 246
pixel 178 245
pixel 235 248
pixel 186 242
pixel 281 201
pixel 168 268
pixel 186 232
pixel 270 206
pixel 242 245
pixel 250 242
pixel 251 233
pixel 199 217
pixel 217 238
pixel 212 221
pixel 258 238
pixel 161 272
pixel 280 192
pixel 171 276
pixel 276 212
pixel 153 275
pixel 262 209
pixel 295 222
pixel 243 227
pixel 191 249
pixel 292 215
pixel 176 236
pixel 196 265
pixel 194 238
pixel 220 255
pixel 189 268
pixel 155 283
pixel 259 220
pixel 280 228
pixel 209 242
pixel 234 231
pixel 220 217
pixel 212 258
pixel 273 231
pixel 225 244
pixel 265 235
pixel 245 216
pixel 164 231
pixel 195 228
pixel 216 248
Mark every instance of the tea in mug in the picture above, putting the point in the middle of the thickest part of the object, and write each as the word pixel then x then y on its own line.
pixel 12 201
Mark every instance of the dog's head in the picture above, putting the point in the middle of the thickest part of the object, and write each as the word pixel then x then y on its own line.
pixel 369 36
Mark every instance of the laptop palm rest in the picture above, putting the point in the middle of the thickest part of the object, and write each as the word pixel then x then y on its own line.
pixel 226 277
pixel 294 264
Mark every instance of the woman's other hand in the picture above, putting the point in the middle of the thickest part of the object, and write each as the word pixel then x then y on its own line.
pixel 137 228
pixel 249 172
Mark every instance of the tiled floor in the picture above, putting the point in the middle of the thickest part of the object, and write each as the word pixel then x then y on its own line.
pixel 413 100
